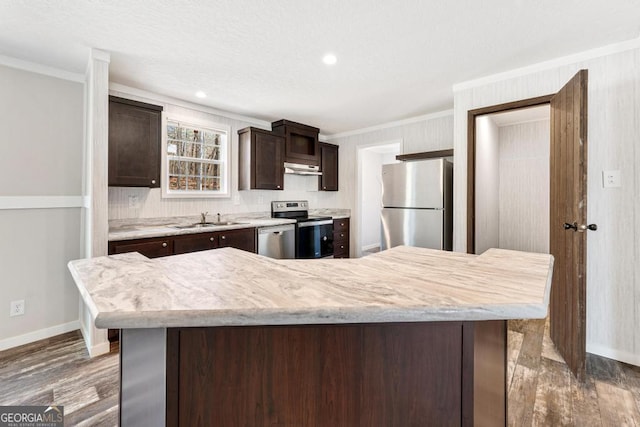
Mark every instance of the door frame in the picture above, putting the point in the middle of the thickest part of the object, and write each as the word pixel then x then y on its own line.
pixel 471 155
pixel 356 226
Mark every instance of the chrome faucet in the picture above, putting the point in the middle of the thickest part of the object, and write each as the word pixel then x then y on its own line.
pixel 203 217
pixel 218 217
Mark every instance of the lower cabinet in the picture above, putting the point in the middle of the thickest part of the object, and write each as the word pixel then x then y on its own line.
pixel 194 243
pixel 151 248
pixel 341 238
pixel 154 247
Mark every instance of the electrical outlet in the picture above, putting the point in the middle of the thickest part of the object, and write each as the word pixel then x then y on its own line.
pixel 17 308
pixel 611 179
pixel 133 202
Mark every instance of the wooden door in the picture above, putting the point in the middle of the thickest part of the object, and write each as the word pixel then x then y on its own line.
pixel 569 205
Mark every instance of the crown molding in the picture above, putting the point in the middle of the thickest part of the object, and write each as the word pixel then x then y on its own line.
pixel 150 96
pixel 41 69
pixel 547 65
pixel 387 125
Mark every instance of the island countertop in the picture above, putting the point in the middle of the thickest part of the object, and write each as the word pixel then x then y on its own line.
pixel 230 287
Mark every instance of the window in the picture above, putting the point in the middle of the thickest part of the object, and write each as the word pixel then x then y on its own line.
pixel 195 159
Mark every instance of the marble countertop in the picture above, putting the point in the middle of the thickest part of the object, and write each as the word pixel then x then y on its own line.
pixel 141 228
pixel 232 287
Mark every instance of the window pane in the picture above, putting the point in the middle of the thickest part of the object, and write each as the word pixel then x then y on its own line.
pixel 189 146
pixel 211 184
pixel 175 167
pixel 172 131
pixel 193 183
pixel 192 150
pixel 211 137
pixel 172 148
pixel 211 170
pixel 212 152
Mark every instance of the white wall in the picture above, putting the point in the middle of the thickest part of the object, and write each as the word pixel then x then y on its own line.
pixel 151 204
pixel 40 202
pixel 524 186
pixel 613 252
pixel 371 193
pixel 487 185
pixel 434 132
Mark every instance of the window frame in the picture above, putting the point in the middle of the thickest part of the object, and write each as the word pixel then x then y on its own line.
pixel 225 176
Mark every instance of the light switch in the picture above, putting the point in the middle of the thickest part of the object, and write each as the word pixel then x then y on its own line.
pixel 611 179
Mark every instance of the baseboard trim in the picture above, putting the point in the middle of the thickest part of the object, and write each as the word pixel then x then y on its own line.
pixel 371 246
pixel 40 334
pixel 612 353
pixel 97 349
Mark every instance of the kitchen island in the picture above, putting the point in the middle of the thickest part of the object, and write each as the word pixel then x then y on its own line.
pixel 408 336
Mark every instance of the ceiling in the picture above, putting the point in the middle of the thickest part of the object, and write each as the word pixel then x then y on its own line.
pixel 396 59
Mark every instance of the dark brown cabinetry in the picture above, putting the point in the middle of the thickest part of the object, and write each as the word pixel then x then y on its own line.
pixel 341 238
pixel 134 143
pixel 328 181
pixel 261 160
pixel 239 239
pixel 194 243
pixel 151 248
pixel 301 142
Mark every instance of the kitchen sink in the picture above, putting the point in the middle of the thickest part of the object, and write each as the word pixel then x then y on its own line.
pixel 208 224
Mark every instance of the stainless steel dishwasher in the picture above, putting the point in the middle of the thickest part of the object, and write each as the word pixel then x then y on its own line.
pixel 277 241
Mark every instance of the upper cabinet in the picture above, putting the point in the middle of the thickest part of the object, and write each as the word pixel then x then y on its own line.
pixel 261 160
pixel 328 181
pixel 134 143
pixel 301 142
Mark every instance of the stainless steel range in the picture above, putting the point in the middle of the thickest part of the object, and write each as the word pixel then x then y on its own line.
pixel 314 234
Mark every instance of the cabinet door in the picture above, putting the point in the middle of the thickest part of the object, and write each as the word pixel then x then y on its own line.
pixel 151 248
pixel 194 243
pixel 134 143
pixel 244 239
pixel 328 181
pixel 268 161
pixel 341 238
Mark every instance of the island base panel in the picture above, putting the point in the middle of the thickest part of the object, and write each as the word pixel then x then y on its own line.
pixel 427 373
pixel 142 377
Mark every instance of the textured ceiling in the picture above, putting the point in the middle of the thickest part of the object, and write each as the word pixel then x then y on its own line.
pixel 396 59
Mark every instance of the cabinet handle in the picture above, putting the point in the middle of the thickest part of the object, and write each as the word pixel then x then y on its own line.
pixel 164 244
pixel 341 246
pixel 341 234
pixel 153 181
pixel 342 224
pixel 277 186
pixel 324 188
pixel 211 239
pixel 223 237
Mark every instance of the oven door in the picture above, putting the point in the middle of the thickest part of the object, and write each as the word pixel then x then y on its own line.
pixel 314 239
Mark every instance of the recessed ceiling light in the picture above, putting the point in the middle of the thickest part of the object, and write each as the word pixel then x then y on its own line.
pixel 201 94
pixel 329 59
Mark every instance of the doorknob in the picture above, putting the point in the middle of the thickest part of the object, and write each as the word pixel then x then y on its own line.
pixel 581 228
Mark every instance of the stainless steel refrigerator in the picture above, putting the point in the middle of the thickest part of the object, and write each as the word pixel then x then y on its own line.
pixel 417 200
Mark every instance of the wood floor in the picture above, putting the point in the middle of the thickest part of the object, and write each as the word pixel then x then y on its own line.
pixel 542 392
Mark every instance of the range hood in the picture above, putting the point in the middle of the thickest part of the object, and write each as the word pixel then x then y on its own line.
pixel 297 169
